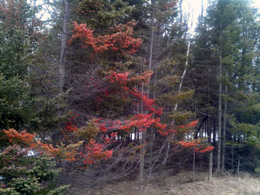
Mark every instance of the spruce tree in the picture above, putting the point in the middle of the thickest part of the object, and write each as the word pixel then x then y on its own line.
pixel 226 45
pixel 18 34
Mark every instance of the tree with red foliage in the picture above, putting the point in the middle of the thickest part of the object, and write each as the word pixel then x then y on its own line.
pixel 115 108
pixel 119 42
pixel 89 154
pixel 122 84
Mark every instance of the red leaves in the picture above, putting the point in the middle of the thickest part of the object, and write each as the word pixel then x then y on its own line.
pixel 204 150
pixel 196 144
pixel 167 131
pixel 23 137
pixel 102 127
pixel 70 127
pixel 120 84
pixel 120 40
pixel 94 152
pixel 84 34
pixel 27 140
pixel 123 81
pixel 143 77
pixel 190 144
pixel 192 124
pixel 118 78
pixel 140 121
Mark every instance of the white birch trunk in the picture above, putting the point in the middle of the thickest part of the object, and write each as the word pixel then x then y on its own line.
pixel 63 46
pixel 181 81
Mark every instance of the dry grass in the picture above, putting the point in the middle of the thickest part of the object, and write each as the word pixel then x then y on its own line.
pixel 181 184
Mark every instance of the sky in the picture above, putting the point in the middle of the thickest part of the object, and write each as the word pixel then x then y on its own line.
pixel 257 3
pixel 193 9
pixel 196 5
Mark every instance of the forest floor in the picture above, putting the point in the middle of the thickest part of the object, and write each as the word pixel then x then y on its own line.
pixel 180 184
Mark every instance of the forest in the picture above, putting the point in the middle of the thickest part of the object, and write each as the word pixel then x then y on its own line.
pixel 126 90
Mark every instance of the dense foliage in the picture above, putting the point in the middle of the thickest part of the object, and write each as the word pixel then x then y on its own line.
pixel 115 88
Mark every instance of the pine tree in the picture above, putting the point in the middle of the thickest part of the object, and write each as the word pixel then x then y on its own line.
pixel 230 51
pixel 18 34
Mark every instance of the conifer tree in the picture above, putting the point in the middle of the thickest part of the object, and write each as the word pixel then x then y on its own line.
pixel 19 34
pixel 228 46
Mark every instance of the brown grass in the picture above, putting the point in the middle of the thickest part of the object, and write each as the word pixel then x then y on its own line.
pixel 181 184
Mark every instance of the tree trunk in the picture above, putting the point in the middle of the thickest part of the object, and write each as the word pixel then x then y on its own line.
pixel 219 110
pixel 148 134
pixel 219 129
pixel 63 46
pixel 183 75
pixel 61 74
pixel 238 167
pixel 141 166
pixel 210 166
pixel 152 36
pixel 214 131
pixel 180 85
pixel 209 128
pixel 176 105
pixel 181 11
pixel 232 154
pixel 193 167
pixel 224 132
pixel 142 154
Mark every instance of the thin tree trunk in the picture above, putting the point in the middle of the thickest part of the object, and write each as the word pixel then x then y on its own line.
pixel 193 167
pixel 183 75
pixel 152 131
pixel 61 67
pixel 202 9
pixel 181 11
pixel 219 110
pixel 141 166
pixel 180 86
pixel 186 64
pixel 232 154
pixel 63 46
pixel 219 130
pixel 152 36
pixel 210 166
pixel 201 14
pixel 176 105
pixel 224 132
pixel 238 167
pixel 142 155
pixel 214 131
pixel 209 131
pixel 149 131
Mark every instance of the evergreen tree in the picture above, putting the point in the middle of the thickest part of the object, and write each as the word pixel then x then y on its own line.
pixel 226 45
pixel 18 34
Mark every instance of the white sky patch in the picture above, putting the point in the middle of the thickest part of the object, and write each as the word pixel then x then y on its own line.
pixel 192 9
pixel 45 9
pixel 257 3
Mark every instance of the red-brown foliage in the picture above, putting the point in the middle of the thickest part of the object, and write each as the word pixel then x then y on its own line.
pixel 120 41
